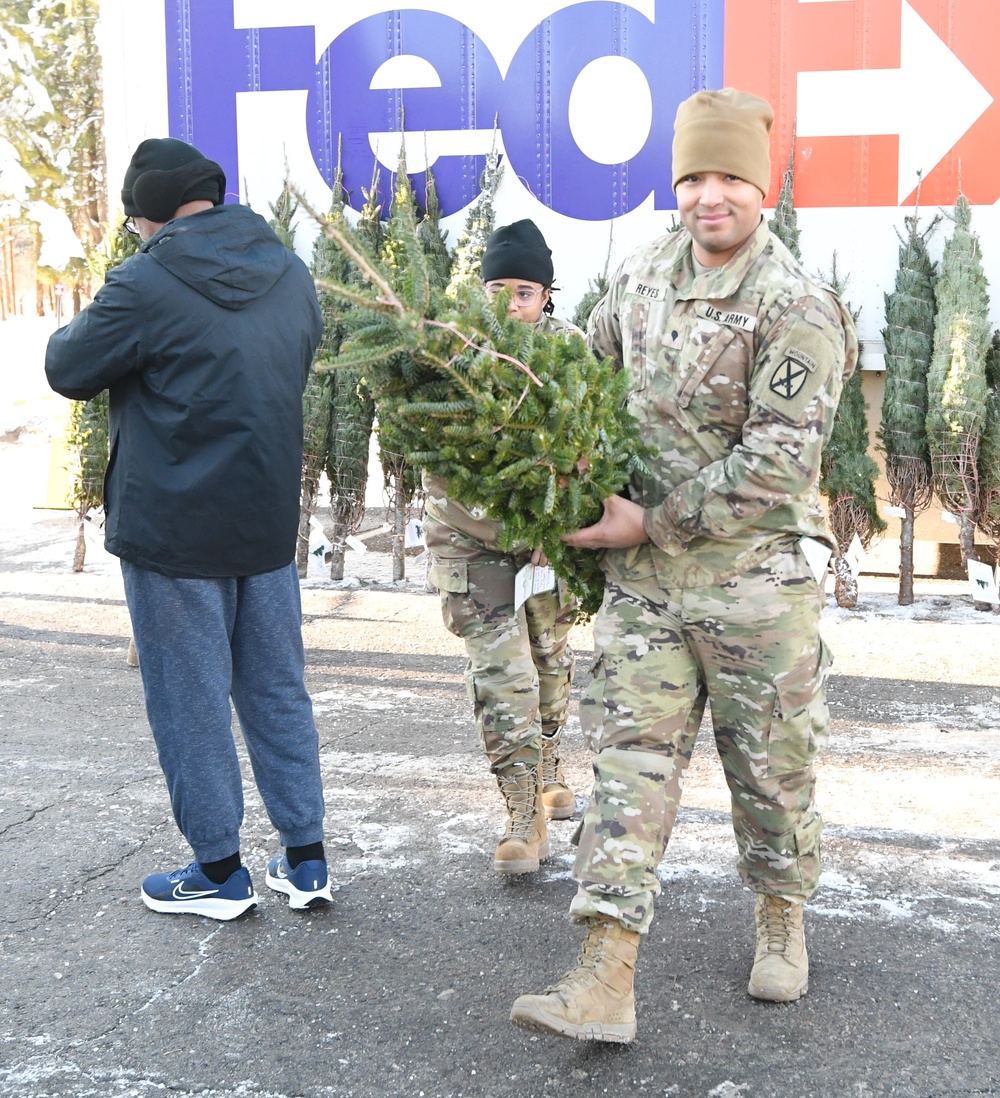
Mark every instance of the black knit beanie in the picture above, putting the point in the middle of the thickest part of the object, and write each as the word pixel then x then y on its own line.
pixel 518 251
pixel 164 173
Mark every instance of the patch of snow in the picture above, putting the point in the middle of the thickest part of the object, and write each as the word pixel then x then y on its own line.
pixel 60 243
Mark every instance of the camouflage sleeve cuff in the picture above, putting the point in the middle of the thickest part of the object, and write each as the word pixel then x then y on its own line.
pixel 661 531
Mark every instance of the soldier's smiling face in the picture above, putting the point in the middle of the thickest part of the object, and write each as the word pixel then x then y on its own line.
pixel 720 212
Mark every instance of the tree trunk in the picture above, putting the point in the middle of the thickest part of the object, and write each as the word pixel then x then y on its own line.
pixel 399 530
pixel 906 557
pixel 339 545
pixel 845 587
pixel 307 508
pixel 967 537
pixel 80 553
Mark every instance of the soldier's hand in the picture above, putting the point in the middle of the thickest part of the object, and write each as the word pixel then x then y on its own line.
pixel 620 527
pixel 538 558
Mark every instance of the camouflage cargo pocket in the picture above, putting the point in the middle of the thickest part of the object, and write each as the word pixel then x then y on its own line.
pixel 800 724
pixel 591 708
pixel 451 576
pixel 565 596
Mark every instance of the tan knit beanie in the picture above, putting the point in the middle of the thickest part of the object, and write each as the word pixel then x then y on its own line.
pixel 724 131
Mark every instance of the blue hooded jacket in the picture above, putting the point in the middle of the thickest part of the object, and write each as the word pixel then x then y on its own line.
pixel 204 339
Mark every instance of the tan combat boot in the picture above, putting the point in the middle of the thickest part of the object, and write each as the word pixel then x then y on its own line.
pixel 781 966
pixel 594 1001
pixel 525 841
pixel 557 796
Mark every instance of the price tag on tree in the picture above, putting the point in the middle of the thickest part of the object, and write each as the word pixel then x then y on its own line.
pixel 983 583
pixel 855 556
pixel 818 555
pixel 532 579
pixel 414 534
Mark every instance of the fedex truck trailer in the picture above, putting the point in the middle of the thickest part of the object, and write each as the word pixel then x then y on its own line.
pixel 881 104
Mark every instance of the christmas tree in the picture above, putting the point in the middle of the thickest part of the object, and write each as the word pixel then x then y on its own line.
pixel 596 289
pixel 351 408
pixel 87 430
pixel 956 380
pixel 479 223
pixel 315 399
pixel 527 424
pixel 433 240
pixel 848 475
pixel 282 215
pixel 988 486
pixel 785 223
pixel 402 476
pixel 908 335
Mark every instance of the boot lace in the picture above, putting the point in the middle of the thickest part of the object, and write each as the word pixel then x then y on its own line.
pixel 550 761
pixel 773 922
pixel 518 789
pixel 593 952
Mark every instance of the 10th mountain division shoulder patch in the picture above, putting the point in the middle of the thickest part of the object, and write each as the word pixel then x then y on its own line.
pixel 790 375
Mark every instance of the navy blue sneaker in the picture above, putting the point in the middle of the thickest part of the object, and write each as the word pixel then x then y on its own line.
pixel 307 885
pixel 189 892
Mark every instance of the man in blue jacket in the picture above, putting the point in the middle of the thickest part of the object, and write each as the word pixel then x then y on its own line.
pixel 204 340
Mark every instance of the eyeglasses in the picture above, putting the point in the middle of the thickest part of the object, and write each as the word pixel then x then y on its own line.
pixel 522 296
pixel 130 226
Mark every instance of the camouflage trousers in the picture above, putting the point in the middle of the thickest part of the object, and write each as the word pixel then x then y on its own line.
pixel 751 648
pixel 520 662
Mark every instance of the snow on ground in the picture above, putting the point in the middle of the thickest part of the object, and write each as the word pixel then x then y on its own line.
pixel 934 600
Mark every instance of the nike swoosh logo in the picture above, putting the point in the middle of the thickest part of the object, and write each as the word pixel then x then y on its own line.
pixel 181 893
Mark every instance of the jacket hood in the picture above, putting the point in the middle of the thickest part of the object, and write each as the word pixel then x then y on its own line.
pixel 228 254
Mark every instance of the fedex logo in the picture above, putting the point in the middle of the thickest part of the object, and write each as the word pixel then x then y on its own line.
pixel 430 74
pixel 875 93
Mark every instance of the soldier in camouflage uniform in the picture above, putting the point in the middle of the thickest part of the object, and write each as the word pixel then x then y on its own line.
pixel 520 663
pixel 713 568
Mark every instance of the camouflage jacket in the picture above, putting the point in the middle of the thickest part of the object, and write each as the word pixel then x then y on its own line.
pixel 737 373
pixel 444 516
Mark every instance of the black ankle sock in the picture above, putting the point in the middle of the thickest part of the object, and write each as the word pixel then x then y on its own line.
pixel 296 855
pixel 219 872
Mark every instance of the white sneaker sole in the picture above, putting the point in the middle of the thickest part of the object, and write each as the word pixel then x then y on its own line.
pixel 223 910
pixel 297 899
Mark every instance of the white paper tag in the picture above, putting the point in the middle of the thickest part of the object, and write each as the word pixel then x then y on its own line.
pixel 983 582
pixel 545 579
pixel 894 512
pixel 356 544
pixel 93 531
pixel 319 547
pixel 947 516
pixel 818 555
pixel 855 556
pixel 532 580
pixel 414 534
